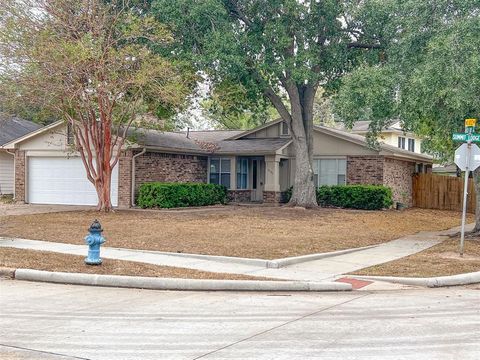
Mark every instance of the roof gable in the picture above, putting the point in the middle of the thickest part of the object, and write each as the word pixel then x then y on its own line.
pixel 247 133
pixel 32 134
pixel 12 128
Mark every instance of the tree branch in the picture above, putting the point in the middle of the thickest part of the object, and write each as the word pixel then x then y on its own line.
pixel 234 9
pixel 358 45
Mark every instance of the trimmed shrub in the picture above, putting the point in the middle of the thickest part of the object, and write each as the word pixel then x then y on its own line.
pixel 172 195
pixel 366 197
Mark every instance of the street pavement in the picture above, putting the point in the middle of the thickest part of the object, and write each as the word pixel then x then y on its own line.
pixel 53 321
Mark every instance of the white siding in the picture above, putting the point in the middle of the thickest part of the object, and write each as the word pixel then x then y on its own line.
pixel 6 173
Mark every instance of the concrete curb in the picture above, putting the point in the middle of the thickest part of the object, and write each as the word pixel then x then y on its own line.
pixel 217 258
pixel 176 284
pixel 278 263
pixel 432 282
pixel 269 264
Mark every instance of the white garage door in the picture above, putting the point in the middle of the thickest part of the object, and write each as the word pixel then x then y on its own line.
pixel 53 180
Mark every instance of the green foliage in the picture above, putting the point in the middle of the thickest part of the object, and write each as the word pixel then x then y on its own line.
pixel 231 106
pixel 365 197
pixel 323 109
pixel 430 73
pixel 287 195
pixel 173 195
pixel 76 60
pixel 251 48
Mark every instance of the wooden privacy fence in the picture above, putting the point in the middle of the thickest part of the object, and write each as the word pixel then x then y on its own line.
pixel 442 192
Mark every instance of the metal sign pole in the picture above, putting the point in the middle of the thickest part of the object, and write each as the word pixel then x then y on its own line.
pixel 463 159
pixel 465 193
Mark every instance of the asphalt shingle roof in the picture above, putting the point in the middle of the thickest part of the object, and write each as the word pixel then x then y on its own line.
pixel 212 135
pixel 12 128
pixel 206 143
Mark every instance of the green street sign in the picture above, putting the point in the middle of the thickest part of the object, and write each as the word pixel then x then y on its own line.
pixel 466 137
pixel 459 137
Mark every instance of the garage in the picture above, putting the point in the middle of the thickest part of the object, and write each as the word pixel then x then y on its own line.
pixel 63 181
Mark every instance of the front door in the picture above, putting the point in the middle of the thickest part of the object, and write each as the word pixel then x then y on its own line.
pixel 258 179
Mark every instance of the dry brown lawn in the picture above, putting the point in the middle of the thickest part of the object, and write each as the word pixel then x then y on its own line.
pixel 50 261
pixel 254 232
pixel 442 259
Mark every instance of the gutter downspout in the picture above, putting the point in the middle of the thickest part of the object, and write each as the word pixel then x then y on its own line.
pixel 133 175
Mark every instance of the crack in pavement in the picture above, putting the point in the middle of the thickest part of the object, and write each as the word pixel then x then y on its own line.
pixel 44 352
pixel 279 326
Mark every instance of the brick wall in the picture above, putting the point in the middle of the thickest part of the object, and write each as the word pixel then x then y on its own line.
pixel 272 197
pixel 398 176
pixel 365 170
pixel 240 195
pixel 20 175
pixel 164 167
pixel 125 179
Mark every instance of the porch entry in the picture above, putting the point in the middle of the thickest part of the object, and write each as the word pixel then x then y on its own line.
pixel 251 176
pixel 258 179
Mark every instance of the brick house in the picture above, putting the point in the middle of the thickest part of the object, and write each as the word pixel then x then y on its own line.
pixel 256 165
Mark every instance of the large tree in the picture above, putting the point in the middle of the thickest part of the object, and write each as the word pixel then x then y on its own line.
pixel 92 63
pixel 429 77
pixel 281 50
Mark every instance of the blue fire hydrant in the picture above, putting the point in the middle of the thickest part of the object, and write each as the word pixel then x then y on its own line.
pixel 94 240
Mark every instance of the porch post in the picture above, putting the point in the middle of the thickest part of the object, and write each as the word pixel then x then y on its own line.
pixel 271 194
pixel 233 173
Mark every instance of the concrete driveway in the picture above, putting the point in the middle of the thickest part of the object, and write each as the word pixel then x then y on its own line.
pixel 48 321
pixel 27 209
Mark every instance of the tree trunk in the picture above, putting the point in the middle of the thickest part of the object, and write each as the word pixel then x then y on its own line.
pixel 301 101
pixel 476 182
pixel 300 121
pixel 303 189
pixel 103 186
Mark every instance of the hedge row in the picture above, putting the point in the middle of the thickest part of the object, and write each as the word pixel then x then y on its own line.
pixel 172 195
pixel 366 197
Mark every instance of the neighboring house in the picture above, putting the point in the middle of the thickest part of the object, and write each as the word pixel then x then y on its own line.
pixel 392 135
pixel 255 165
pixel 447 170
pixel 11 129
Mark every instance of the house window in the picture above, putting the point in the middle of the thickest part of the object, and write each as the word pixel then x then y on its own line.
pixel 220 171
pixel 284 129
pixel 411 145
pixel 70 135
pixel 242 173
pixel 329 172
pixel 401 142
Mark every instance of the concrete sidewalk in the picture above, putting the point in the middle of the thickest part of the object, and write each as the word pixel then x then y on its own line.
pixel 327 268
